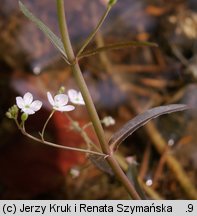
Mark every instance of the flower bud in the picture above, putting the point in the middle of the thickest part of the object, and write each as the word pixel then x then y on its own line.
pixel 61 90
pixel 112 2
pixel 9 115
pixel 12 112
pixel 24 117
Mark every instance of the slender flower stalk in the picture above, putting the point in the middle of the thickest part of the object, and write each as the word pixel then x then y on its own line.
pixel 46 123
pixel 87 125
pixel 88 101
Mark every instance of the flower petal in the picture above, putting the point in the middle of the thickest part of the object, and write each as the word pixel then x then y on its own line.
pixel 50 99
pixel 75 97
pixel 61 100
pixel 72 94
pixel 20 102
pixel 36 105
pixel 65 108
pixel 80 99
pixel 28 111
pixel 28 98
pixel 80 96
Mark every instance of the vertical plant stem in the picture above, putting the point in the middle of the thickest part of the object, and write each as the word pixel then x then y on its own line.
pixel 79 77
pixel 89 103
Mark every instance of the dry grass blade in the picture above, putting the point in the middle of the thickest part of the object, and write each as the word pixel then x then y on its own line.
pixel 141 120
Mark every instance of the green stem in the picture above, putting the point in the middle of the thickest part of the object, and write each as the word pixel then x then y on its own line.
pixel 89 103
pixel 90 107
pixel 47 121
pixel 90 37
pixel 64 31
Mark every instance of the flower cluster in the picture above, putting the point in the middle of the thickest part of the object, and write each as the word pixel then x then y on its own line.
pixel 59 103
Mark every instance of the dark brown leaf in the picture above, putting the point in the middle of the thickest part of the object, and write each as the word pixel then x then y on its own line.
pixel 141 120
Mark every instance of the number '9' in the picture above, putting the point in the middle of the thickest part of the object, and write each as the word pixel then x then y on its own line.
pixel 190 208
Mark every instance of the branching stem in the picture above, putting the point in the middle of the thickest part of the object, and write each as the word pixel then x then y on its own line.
pixel 23 131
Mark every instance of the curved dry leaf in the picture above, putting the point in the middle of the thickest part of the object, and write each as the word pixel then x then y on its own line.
pixel 141 120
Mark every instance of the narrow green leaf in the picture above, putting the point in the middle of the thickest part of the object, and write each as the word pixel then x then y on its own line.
pixel 116 46
pixel 45 29
pixel 141 120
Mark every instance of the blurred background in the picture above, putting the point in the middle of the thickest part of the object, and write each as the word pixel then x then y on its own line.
pixel 122 83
